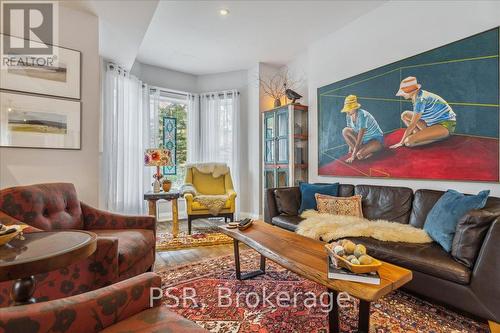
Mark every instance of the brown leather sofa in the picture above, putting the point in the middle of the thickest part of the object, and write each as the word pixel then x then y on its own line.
pixel 473 288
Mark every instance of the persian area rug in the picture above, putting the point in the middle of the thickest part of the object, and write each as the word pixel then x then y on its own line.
pixel 204 282
pixel 199 237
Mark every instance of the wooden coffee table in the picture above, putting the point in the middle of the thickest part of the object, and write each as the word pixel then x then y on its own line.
pixel 308 258
pixel 41 252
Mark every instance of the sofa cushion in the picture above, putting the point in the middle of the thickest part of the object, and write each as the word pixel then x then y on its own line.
pixel 386 202
pixel 287 200
pixel 43 206
pixel 346 190
pixel 287 222
pixel 469 235
pixel 423 201
pixel 427 258
pixel 133 245
pixel 157 319
pixel 441 222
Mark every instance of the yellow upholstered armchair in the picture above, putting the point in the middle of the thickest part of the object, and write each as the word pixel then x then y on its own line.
pixel 209 192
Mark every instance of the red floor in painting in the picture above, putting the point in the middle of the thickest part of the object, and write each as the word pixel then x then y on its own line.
pixel 457 158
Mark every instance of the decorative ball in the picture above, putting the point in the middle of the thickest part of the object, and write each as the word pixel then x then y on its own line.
pixel 359 250
pixel 349 247
pixel 349 258
pixel 355 261
pixel 365 260
pixel 339 250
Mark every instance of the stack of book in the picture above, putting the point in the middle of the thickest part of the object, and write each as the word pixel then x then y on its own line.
pixel 339 273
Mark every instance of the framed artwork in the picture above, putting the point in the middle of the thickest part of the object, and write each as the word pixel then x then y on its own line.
pixel 170 143
pixel 60 77
pixel 29 121
pixel 433 116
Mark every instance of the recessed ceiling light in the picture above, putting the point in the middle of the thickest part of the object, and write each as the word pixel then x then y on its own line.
pixel 224 12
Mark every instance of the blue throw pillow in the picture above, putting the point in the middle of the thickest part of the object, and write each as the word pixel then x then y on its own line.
pixel 442 220
pixel 308 191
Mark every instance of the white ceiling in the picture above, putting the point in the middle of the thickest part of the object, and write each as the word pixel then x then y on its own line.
pixel 191 36
pixel 122 25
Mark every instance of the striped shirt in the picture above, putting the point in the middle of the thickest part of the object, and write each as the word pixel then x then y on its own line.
pixel 364 119
pixel 433 108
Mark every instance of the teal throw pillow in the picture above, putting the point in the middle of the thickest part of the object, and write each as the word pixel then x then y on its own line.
pixel 307 191
pixel 441 222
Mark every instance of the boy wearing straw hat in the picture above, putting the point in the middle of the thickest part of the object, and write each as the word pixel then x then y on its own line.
pixel 431 120
pixel 362 134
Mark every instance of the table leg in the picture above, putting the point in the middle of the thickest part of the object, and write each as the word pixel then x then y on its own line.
pixel 175 218
pixel 22 291
pixel 152 208
pixel 364 317
pixel 249 275
pixel 333 314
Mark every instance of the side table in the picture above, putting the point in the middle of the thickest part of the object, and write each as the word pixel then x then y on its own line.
pixel 41 252
pixel 172 196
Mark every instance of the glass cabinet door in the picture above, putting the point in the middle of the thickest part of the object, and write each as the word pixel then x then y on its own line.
pixel 282 177
pixel 282 135
pixel 269 178
pixel 269 141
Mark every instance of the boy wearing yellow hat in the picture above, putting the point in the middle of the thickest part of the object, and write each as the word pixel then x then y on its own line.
pixel 362 134
pixel 431 120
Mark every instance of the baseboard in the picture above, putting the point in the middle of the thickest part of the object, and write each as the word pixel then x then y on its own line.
pixel 244 215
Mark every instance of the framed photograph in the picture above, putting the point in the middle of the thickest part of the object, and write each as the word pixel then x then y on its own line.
pixel 433 116
pixel 60 77
pixel 29 121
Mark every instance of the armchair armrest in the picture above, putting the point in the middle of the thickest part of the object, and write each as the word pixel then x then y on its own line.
pixel 94 219
pixel 9 220
pixel 89 312
pixel 486 273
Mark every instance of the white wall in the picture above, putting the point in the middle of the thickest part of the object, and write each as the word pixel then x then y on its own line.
pixel 164 78
pixel 79 31
pixel 393 31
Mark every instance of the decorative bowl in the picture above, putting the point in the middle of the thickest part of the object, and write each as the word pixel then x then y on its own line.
pixel 4 239
pixel 358 269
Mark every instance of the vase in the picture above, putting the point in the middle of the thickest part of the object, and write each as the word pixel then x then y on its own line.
pixel 277 102
pixel 156 186
pixel 167 185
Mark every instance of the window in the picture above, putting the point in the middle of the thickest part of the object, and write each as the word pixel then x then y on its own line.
pixel 172 134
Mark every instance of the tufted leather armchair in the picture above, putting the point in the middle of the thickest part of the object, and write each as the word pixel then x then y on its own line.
pixel 125 245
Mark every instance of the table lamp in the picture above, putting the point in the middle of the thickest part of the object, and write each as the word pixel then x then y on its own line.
pixel 157 157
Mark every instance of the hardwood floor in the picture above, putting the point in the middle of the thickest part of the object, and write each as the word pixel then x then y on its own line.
pixel 165 259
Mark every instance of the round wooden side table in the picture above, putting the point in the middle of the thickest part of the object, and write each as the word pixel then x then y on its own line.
pixel 41 252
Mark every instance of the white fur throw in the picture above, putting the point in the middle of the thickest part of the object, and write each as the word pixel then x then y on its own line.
pixel 216 169
pixel 332 227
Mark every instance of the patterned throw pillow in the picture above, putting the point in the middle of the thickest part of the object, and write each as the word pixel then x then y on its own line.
pixel 348 206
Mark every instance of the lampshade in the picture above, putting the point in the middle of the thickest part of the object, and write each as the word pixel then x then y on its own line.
pixel 158 157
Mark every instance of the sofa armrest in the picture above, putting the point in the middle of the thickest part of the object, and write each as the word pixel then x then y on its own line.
pixel 486 273
pixel 94 219
pixel 88 312
pixel 270 207
pixel 9 220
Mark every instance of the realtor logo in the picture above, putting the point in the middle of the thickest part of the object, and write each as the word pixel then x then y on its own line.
pixel 28 27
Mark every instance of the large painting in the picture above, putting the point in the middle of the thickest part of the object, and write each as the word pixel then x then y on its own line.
pixel 431 116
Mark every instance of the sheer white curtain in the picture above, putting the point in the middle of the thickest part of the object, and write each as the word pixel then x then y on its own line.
pixel 126 133
pixel 193 128
pixel 219 131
